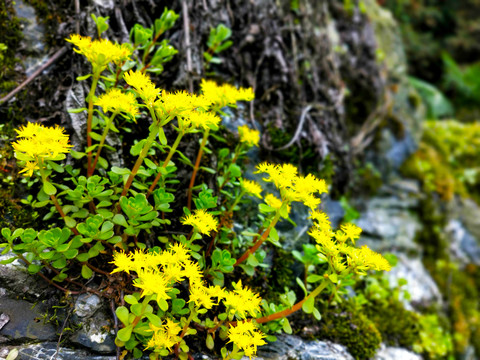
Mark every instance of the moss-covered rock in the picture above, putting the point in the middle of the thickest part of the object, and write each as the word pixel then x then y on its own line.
pixel 352 328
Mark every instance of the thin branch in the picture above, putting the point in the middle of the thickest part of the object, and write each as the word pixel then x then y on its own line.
pixel 37 72
pixel 186 31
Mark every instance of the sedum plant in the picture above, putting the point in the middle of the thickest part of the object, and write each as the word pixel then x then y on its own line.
pixel 109 222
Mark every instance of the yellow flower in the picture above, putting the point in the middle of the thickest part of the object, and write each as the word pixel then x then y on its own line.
pixel 320 219
pixel 164 336
pixel 247 337
pixel 294 187
pixel 180 103
pixel 248 136
pixel 196 119
pixel 201 296
pixel 143 86
pixel 374 260
pixel 123 262
pixel 37 143
pixel 226 94
pixel 191 270
pixel 242 301
pixel 352 231
pixel 30 166
pixel 100 52
pixel 152 282
pixel 117 101
pixel 252 187
pixel 202 221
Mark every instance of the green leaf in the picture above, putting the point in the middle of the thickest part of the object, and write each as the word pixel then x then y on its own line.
pixel 150 164
pixel 209 170
pixel 314 278
pixel 286 326
pixel 95 136
pixel 49 188
pixel 302 285
pixel 309 305
pixel 123 314
pixel 162 304
pixel 86 272
pixel 6 233
pixel 83 257
pixel 84 77
pixel 60 263
pixel 120 171
pixel 119 219
pixel 130 299
pixel 125 333
pixel 209 342
pixel 34 268
pixel 70 222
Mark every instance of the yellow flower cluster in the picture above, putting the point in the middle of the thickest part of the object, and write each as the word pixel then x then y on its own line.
pixel 164 336
pixel 248 136
pixel 37 143
pixel 332 245
pixel 180 103
pixel 196 119
pixel 226 94
pixel 294 187
pixel 116 101
pixel 100 52
pixel 252 187
pixel 143 85
pixel 242 301
pixel 157 272
pixel 247 337
pixel 202 221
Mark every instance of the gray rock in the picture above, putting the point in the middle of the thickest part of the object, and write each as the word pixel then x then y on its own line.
pixel 292 347
pixel 422 288
pixel 394 353
pixel 389 226
pixel 25 321
pixel 15 279
pixel 463 246
pixel 93 334
pixel 48 351
pixel 86 305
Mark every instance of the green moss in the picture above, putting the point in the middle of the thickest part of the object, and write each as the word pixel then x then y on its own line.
pixel 11 37
pixel 398 326
pixel 351 328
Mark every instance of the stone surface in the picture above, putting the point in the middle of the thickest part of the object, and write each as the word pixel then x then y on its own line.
pixel 86 305
pixel 394 353
pixel 422 288
pixel 388 225
pixel 48 351
pixel 463 246
pixel 26 321
pixel 292 347
pixel 15 279
pixel 96 333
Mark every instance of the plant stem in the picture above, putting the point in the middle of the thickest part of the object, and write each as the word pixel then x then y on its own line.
pixel 296 307
pixel 165 163
pixel 102 141
pixel 91 94
pixel 259 241
pixel 193 313
pixel 141 156
pixel 196 167
pixel 53 197
pixel 237 200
